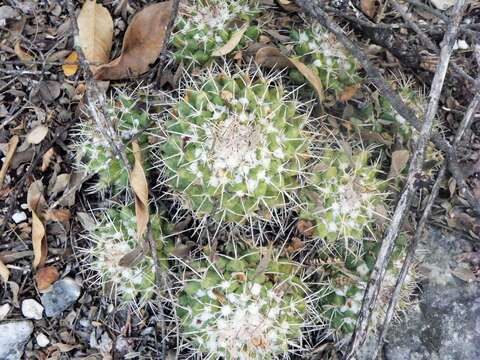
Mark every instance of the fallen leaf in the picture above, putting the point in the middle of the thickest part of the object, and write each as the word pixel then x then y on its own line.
pixel 47 158
pixel 296 245
pixel 270 57
pixel 4 272
pixel 139 185
pixel 12 146
pixel 25 57
pixel 49 91
pixel 37 134
pixel 464 274
pixel 310 75
pixel 61 184
pixel 95 33
pixel 399 161
pixel 232 43
pixel 46 276
pixel 369 7
pixel 142 43
pixel 60 215
pixel 36 204
pixel 442 4
pixel 70 65
pixel 305 227
pixel 348 92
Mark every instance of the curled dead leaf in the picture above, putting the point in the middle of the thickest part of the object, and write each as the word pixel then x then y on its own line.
pixel 139 184
pixel 12 146
pixel 70 65
pixel 36 204
pixel 95 33
pixel 142 43
pixel 232 43
pixel 45 277
pixel 37 134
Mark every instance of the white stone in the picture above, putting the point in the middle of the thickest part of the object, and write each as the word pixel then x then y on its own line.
pixel 4 310
pixel 42 340
pixel 31 309
pixel 18 217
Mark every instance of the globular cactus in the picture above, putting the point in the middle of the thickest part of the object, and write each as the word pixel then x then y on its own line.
pixel 343 199
pixel 235 148
pixel 318 49
pixel 243 307
pixel 96 153
pixel 207 25
pixel 346 277
pixel 121 263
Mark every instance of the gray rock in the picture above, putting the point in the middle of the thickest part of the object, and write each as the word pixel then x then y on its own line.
pixel 445 325
pixel 64 293
pixel 14 336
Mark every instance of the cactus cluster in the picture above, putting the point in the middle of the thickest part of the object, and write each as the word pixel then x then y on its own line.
pixel 319 49
pixel 120 260
pixel 97 156
pixel 241 307
pixel 347 275
pixel 207 25
pixel 342 197
pixel 235 148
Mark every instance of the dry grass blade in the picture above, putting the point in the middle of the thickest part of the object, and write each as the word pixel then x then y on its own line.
pixel 139 184
pixel 36 204
pixel 232 43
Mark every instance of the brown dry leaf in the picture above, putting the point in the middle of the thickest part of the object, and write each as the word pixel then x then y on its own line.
pixel 47 158
pixel 95 33
pixel 232 43
pixel 4 272
pixel 305 227
pixel 60 215
pixel 70 65
pixel 349 92
pixel 142 43
pixel 25 57
pixel 399 161
pixel 312 78
pixel 37 134
pixel 46 276
pixel 139 185
pixel 36 204
pixel 12 146
pixel 296 245
pixel 270 57
pixel 369 7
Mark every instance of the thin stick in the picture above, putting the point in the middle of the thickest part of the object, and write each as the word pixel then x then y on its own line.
pixel 168 33
pixel 465 124
pixel 388 243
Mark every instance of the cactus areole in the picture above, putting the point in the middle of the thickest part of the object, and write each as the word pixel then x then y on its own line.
pixel 235 148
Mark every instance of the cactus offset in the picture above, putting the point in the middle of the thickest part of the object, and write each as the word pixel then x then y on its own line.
pixel 235 148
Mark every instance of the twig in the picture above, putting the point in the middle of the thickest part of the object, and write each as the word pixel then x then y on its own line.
pixel 314 8
pixel 96 99
pixel 168 33
pixel 388 243
pixel 465 124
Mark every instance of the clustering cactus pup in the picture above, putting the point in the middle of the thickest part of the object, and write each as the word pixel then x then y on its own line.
pixel 97 156
pixel 243 307
pixel 343 198
pixel 235 148
pixel 119 260
pixel 207 25
pixel 346 277
pixel 319 50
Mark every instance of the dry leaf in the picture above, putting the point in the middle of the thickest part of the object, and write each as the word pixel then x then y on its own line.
pixel 4 272
pixel 47 158
pixel 25 57
pixel 270 57
pixel 142 43
pixel 95 30
pixel 305 227
pixel 312 78
pixel 369 7
pixel 36 204
pixel 70 65
pixel 399 161
pixel 232 43
pixel 60 215
pixel 139 185
pixel 46 276
pixel 348 92
pixel 37 134
pixel 464 274
pixel 12 146
pixel 296 245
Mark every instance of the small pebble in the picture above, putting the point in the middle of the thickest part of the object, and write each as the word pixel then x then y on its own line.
pixel 18 217
pixel 4 310
pixel 42 340
pixel 31 309
pixel 63 295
